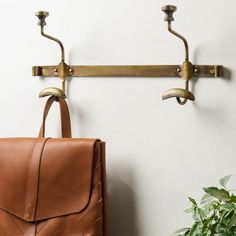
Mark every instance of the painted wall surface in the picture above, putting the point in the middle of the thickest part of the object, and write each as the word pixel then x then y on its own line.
pixel 158 153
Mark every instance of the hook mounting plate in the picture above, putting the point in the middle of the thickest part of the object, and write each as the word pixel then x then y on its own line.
pixel 204 71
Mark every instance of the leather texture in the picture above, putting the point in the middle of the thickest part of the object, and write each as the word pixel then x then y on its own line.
pixel 53 186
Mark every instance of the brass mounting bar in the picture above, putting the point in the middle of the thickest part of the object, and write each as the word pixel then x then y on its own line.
pixel 206 71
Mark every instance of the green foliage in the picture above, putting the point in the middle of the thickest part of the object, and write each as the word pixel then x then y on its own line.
pixel 216 214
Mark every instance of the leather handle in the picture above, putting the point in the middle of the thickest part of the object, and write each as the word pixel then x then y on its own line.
pixel 65 117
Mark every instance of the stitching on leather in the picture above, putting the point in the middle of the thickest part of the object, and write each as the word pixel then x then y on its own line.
pixel 27 176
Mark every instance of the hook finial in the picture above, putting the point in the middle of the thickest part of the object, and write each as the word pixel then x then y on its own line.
pixel 169 11
pixel 42 17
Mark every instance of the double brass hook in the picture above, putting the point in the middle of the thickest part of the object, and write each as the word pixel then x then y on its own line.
pixel 187 71
pixel 63 71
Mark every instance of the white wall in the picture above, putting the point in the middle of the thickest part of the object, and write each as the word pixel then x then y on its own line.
pixel 158 153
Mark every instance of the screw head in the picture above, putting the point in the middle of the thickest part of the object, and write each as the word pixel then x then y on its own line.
pixel 178 69
pixel 212 71
pixel 71 71
pixel 196 70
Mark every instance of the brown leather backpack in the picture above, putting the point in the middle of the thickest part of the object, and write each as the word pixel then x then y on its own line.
pixel 53 186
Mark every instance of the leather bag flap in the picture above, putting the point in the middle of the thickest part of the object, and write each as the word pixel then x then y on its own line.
pixel 45 178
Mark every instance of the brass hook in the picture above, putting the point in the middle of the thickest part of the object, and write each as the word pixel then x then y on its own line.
pixel 63 70
pixel 187 69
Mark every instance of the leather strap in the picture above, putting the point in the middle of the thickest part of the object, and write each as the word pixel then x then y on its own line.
pixel 33 178
pixel 65 117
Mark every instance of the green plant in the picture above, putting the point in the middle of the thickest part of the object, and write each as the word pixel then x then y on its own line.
pixel 216 215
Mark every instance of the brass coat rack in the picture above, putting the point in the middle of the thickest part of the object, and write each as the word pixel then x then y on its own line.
pixel 186 71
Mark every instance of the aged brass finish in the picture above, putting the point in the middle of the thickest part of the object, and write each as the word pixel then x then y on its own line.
pixel 58 93
pixel 42 16
pixel 63 71
pixel 182 93
pixel 169 10
pixel 179 93
pixel 186 71
pixel 205 71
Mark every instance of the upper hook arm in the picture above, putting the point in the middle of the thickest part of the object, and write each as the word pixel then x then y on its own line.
pixel 42 16
pixel 169 10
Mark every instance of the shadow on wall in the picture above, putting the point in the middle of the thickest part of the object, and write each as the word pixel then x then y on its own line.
pixel 122 207
pixel 227 72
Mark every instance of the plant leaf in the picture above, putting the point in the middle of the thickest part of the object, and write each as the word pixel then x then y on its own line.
pixel 220 194
pixel 225 180
pixel 193 230
pixel 206 198
pixel 233 198
pixel 189 210
pixel 232 221
pixel 193 201
pixel 183 230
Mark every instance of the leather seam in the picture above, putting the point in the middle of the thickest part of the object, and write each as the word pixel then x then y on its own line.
pixel 27 177
pixel 28 192
pixel 104 230
pixel 43 226
pixel 37 185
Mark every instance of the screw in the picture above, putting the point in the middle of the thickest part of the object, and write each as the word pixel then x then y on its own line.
pixel 178 70
pixel 212 71
pixel 71 71
pixel 55 71
pixel 196 70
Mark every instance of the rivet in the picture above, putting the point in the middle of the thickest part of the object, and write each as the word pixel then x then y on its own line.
pixel 196 70
pixel 178 69
pixel 71 71
pixel 212 71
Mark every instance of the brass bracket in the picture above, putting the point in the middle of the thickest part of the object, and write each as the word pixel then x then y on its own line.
pixel 205 71
pixel 63 71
